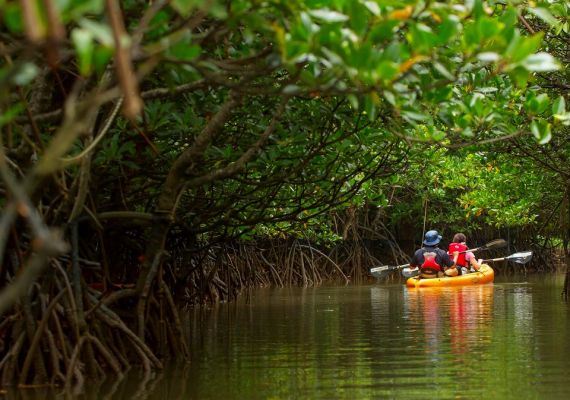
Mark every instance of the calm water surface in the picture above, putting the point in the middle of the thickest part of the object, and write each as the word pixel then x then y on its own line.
pixel 509 339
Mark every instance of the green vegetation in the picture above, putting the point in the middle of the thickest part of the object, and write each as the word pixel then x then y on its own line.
pixel 170 152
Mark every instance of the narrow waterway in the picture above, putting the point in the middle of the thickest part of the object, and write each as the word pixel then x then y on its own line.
pixel 504 340
pixel 509 340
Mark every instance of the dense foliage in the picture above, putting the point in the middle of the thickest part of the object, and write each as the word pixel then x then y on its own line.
pixel 140 140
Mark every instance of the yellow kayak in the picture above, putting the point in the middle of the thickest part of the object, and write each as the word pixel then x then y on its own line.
pixel 485 275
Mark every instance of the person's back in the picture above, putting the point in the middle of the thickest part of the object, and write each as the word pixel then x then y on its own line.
pixel 460 248
pixel 432 261
pixel 464 259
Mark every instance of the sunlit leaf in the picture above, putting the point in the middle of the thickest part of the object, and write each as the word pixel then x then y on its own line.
pixel 25 73
pixel 100 31
pixel 372 7
pixel 488 57
pixel 559 105
pixel 84 46
pixel 328 15
pixel 541 62
pixel 541 130
pixel 544 14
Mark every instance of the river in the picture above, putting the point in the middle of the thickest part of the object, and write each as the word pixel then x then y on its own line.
pixel 505 340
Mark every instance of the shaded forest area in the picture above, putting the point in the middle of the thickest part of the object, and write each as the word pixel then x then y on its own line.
pixel 160 154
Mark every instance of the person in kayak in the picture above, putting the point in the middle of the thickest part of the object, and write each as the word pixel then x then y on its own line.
pixel 433 261
pixel 464 259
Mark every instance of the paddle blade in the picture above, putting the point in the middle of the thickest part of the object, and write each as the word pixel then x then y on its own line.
pixel 495 244
pixel 408 273
pixel 381 272
pixel 520 258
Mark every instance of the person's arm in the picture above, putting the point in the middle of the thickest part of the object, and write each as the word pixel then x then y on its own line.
pixel 447 261
pixel 469 256
pixel 415 261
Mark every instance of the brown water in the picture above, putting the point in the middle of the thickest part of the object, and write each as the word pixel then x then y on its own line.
pixel 510 340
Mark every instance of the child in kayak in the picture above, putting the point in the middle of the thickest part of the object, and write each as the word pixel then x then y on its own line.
pixel 463 258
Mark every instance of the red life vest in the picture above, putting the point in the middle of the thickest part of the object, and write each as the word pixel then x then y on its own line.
pixel 430 263
pixel 453 247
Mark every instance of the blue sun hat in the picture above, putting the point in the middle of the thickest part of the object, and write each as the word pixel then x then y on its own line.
pixel 432 238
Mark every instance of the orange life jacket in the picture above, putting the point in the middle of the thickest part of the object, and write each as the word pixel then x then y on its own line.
pixel 460 247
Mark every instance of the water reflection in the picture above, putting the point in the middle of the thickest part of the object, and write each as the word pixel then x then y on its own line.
pixel 367 342
pixel 458 314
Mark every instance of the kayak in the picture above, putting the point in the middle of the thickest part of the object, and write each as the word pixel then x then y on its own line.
pixel 484 275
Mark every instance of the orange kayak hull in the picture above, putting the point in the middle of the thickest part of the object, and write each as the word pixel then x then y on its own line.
pixel 485 275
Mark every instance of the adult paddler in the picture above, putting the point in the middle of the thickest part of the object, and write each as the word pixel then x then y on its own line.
pixel 432 261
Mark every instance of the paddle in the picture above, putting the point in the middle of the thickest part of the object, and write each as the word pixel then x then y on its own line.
pixel 493 244
pixel 385 270
pixel 519 258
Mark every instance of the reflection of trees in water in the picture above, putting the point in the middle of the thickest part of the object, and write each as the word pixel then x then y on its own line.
pixel 471 317
pixel 520 330
pixel 522 308
pixel 171 383
pixel 458 313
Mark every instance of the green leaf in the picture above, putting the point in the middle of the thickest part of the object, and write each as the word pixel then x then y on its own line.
pixel 537 104
pixel 10 114
pixel 185 7
pixel 353 101
pixel 77 8
pixel 541 130
pixel 443 71
pixel 559 106
pixel 387 70
pixel 25 73
pixel 101 58
pixel 414 116
pixel 390 98
pixel 370 107
pixel 358 18
pixel 488 27
pixel 488 56
pixel 438 135
pixel 372 7
pixel 564 118
pixel 185 51
pixel 476 104
pixel 471 35
pixel 291 89
pixel 306 27
pixel 544 15
pixel 83 42
pixel 488 89
pixel 520 76
pixel 478 8
pixel 100 31
pixel 467 132
pixel 327 15
pixel 383 30
pixel 509 17
pixel 448 28
pixel 541 62
pixel 524 46
pixel 13 17
pixel 421 38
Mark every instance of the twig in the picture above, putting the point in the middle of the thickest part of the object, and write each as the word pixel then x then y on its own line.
pixel 125 71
